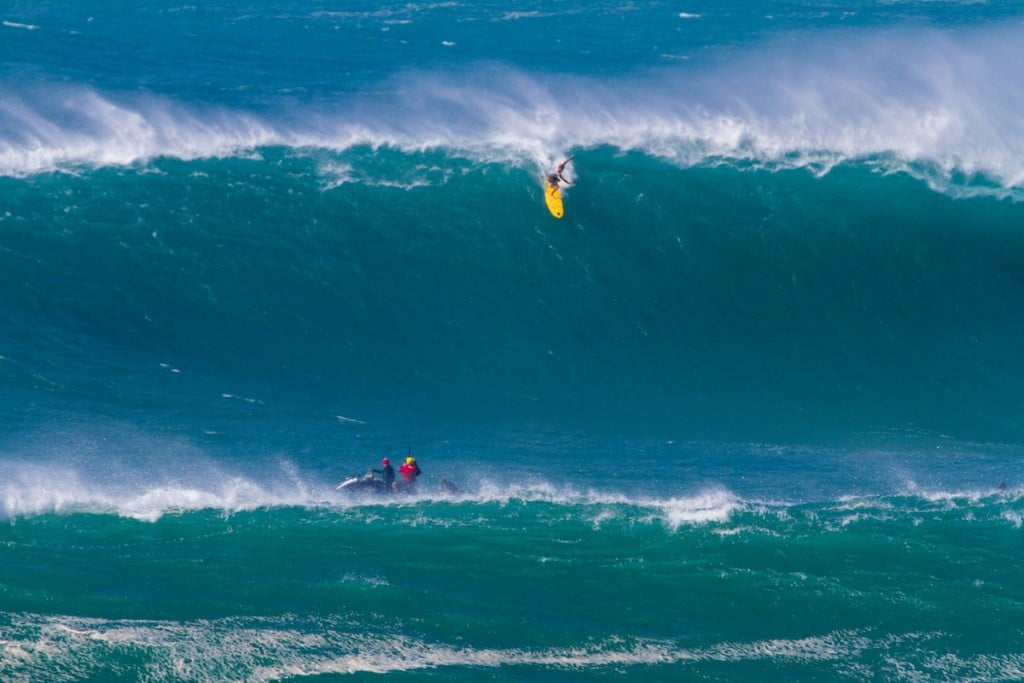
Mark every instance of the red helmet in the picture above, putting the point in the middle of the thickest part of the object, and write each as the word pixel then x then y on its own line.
pixel 385 461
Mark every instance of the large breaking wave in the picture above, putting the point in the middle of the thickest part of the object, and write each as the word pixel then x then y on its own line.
pixel 943 105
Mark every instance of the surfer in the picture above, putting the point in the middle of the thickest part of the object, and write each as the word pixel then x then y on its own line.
pixel 556 177
pixel 387 473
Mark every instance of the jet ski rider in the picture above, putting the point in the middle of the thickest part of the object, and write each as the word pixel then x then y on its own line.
pixel 410 470
pixel 387 473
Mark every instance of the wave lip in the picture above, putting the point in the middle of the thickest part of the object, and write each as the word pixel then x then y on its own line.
pixel 946 111
pixel 81 127
pixel 38 491
pixel 32 489
pixel 716 505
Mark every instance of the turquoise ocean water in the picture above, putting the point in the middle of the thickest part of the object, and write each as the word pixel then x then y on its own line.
pixel 750 411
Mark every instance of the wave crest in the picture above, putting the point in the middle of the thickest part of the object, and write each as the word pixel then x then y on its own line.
pixel 942 106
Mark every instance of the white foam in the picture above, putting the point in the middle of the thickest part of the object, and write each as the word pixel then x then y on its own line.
pixel 120 469
pixel 68 126
pixel 716 505
pixel 515 16
pixel 707 506
pixel 15 24
pixel 124 471
pixel 947 111
pixel 265 649
pixel 30 489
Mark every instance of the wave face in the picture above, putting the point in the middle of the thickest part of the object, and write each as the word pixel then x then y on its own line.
pixel 708 301
pixel 750 410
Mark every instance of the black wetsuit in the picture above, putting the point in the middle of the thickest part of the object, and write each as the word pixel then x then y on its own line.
pixel 388 474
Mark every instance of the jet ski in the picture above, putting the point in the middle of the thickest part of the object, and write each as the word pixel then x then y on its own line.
pixel 368 483
pixel 371 484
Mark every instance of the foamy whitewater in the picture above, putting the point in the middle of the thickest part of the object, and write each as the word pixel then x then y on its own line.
pixel 749 411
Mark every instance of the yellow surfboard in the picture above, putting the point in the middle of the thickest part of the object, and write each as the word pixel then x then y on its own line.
pixel 554 200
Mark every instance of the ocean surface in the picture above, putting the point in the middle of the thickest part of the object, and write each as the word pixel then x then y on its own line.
pixel 752 410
